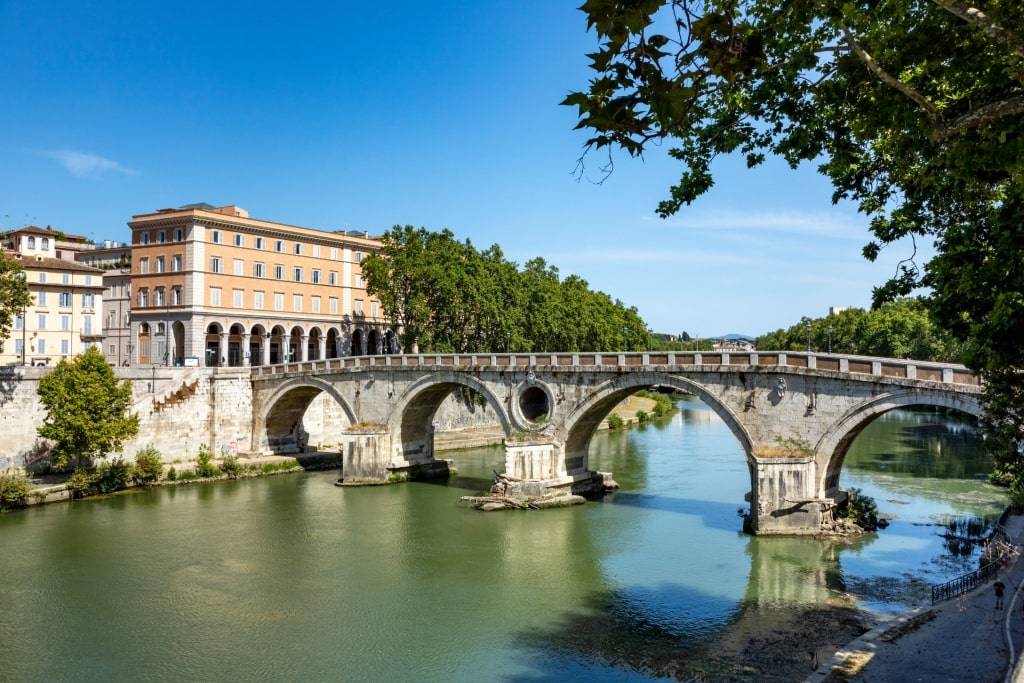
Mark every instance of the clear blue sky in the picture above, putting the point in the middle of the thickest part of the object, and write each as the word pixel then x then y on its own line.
pixel 365 115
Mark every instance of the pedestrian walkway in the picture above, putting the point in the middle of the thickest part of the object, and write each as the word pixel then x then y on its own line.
pixel 963 639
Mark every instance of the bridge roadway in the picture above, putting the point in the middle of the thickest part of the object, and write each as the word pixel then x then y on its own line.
pixel 794 414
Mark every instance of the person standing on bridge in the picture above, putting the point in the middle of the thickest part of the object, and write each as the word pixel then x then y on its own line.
pixel 1000 588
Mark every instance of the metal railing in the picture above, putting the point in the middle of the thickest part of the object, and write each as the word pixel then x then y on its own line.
pixel 1004 547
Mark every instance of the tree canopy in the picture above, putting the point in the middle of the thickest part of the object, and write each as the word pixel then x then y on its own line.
pixel 14 294
pixel 896 329
pixel 446 296
pixel 87 409
pixel 912 109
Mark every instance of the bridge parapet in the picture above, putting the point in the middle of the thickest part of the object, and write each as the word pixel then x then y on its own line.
pixel 943 373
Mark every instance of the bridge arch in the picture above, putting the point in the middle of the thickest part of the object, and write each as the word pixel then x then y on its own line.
pixel 279 423
pixel 832 448
pixel 582 422
pixel 411 420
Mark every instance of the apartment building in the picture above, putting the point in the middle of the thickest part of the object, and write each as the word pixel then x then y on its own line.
pixel 65 316
pixel 212 286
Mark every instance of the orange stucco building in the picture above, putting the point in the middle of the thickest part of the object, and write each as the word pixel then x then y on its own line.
pixel 212 286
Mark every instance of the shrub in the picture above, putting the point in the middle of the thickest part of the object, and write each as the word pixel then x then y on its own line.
pixel 615 422
pixel 642 416
pixel 114 476
pixel 14 491
pixel 230 466
pixel 172 474
pixel 188 475
pixel 82 482
pixel 860 506
pixel 148 465
pixel 204 463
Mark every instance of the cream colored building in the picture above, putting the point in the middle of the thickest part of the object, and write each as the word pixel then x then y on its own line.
pixel 212 286
pixel 65 317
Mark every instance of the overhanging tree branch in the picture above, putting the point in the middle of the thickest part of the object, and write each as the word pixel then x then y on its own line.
pixel 973 15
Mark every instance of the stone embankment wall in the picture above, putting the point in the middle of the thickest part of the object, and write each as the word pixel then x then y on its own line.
pixel 179 409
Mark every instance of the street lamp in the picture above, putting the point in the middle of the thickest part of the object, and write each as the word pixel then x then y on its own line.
pixel 808 336
pixel 625 339
pixel 830 340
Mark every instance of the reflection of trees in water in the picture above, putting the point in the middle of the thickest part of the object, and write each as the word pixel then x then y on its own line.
pixel 754 642
pixel 935 443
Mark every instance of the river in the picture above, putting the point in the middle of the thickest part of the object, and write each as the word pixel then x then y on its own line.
pixel 292 578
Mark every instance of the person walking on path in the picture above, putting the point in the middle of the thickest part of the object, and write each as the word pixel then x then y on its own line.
pixel 1000 588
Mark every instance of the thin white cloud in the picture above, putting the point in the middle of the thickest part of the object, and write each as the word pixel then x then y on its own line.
pixel 87 165
pixel 812 223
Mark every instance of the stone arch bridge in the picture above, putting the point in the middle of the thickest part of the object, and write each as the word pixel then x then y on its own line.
pixel 794 414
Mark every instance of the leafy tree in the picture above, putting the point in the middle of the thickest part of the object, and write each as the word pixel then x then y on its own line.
pixel 14 294
pixel 912 109
pixel 897 329
pixel 447 296
pixel 87 409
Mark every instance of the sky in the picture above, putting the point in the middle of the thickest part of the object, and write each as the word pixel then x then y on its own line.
pixel 364 115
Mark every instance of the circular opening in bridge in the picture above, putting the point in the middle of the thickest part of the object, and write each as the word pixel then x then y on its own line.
pixel 533 403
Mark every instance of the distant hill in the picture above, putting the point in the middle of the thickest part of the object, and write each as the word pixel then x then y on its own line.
pixel 734 337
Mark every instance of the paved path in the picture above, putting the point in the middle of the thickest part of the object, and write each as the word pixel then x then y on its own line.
pixel 963 639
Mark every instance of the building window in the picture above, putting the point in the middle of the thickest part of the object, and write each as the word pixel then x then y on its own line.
pixel 216 264
pixel 65 299
pixel 334 253
pixel 19 348
pixel 143 297
pixel 316 251
pixel 257 300
pixel 259 269
pixel 65 322
pixel 239 265
pixel 87 324
pixel 41 299
pixel 261 243
pixel 88 300
pixel 64 347
pixel 316 276
pixel 278 301
pixel 178 234
pixel 144 265
pixel 279 245
pixel 333 305
pixel 45 243
pixel 297 303
pixel 359 281
pixel 298 249
pixel 332 278
pixel 239 240
pixel 88 280
pixel 359 257
pixel 237 300
pixel 158 296
pixel 373 309
pixel 110 320
pixel 42 277
pixel 161 237
pixel 42 345
pixel 31 242
pixel 111 349
pixel 144 238
pixel 19 322
pixel 298 274
pixel 215 296
pixel 176 263
pixel 278 272
pixel 316 304
pixel 215 236
pixel 65 279
pixel 159 265
pixel 175 296
pixel 359 306
pixel 41 321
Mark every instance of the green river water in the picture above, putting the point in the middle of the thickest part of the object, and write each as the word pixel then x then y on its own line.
pixel 291 578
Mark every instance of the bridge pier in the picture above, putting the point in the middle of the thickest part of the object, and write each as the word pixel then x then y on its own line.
pixel 785 498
